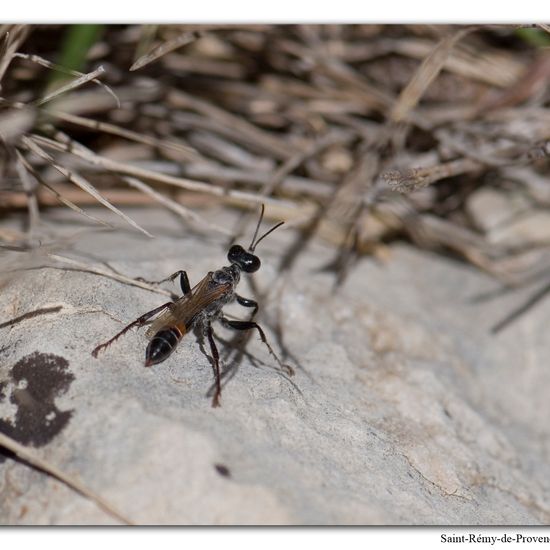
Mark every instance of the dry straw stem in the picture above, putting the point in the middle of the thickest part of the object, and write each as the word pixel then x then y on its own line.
pixel 496 69
pixel 180 210
pixel 228 152
pixel 425 75
pixel 72 85
pixel 164 48
pixel 109 274
pixel 296 186
pixel 79 81
pixel 29 187
pixel 186 152
pixel 252 134
pixel 74 198
pixel 370 95
pixel 12 200
pixel 72 482
pixel 37 255
pixel 140 173
pixel 14 36
pixel 200 65
pixel 32 146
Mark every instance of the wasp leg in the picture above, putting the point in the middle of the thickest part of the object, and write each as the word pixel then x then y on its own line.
pixel 184 280
pixel 139 322
pixel 248 325
pixel 247 302
pixel 216 362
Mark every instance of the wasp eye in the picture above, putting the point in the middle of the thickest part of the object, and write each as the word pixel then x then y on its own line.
pixel 250 263
pixel 245 260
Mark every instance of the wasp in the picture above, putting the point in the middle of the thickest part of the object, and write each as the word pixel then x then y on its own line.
pixel 200 306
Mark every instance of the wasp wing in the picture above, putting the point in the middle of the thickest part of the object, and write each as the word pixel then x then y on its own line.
pixel 166 319
pixel 182 312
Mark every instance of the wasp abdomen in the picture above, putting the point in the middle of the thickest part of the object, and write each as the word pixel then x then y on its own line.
pixel 162 345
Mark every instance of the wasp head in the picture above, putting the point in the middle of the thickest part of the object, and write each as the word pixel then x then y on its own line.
pixel 246 261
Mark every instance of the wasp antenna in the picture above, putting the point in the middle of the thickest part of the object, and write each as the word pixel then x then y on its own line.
pixel 252 245
pixel 265 235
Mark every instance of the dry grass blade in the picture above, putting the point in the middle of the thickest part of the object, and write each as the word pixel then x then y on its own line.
pixel 291 185
pixel 164 48
pixel 532 82
pixel 425 75
pixel 59 196
pixel 76 485
pixel 56 195
pixel 81 77
pixel 141 173
pixel 12 40
pixel 368 94
pixel 228 152
pixel 255 136
pixel 179 62
pixel 81 182
pixel 72 85
pixel 29 187
pixel 187 152
pixel 489 68
pixel 180 210
pixel 109 274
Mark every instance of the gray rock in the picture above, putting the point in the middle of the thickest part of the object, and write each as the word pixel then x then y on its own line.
pixel 508 219
pixel 404 409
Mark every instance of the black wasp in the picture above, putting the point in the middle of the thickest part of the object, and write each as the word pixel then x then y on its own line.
pixel 200 306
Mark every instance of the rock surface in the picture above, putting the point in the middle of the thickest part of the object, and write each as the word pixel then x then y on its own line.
pixel 404 409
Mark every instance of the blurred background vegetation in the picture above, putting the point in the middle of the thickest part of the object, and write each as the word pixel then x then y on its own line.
pixel 359 135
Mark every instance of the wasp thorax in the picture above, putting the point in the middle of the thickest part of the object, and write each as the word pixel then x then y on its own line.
pixel 245 260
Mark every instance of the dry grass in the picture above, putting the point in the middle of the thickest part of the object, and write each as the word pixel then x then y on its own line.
pixel 30 457
pixel 359 135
